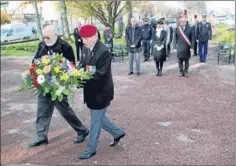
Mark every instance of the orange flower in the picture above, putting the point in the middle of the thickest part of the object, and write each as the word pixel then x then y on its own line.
pixel 47 69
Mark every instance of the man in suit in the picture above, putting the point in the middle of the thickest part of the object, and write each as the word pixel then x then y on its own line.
pixel 99 91
pixel 133 37
pixel 204 33
pixel 78 41
pixel 54 44
pixel 169 37
pixel 194 28
pixel 184 42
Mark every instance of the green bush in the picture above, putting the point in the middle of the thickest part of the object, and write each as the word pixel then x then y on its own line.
pixel 224 35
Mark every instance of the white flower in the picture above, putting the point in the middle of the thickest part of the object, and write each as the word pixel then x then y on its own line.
pixel 41 79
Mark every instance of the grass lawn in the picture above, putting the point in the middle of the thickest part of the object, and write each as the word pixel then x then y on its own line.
pixel 20 49
pixel 16 53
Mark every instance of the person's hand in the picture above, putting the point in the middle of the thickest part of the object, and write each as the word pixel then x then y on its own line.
pixel 191 50
pixel 132 46
pixel 197 41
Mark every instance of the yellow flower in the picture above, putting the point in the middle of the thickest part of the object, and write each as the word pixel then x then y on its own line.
pixel 47 69
pixel 45 60
pixel 75 72
pixel 57 69
pixel 39 71
pixel 64 77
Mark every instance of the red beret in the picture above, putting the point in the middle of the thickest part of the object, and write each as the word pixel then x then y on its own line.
pixel 88 31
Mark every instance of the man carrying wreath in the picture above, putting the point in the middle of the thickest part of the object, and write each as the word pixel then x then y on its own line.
pixel 98 91
pixel 53 44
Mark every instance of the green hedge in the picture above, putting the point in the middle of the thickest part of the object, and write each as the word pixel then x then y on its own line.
pixel 224 35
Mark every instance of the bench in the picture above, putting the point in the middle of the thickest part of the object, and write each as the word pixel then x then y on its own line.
pixel 119 51
pixel 226 52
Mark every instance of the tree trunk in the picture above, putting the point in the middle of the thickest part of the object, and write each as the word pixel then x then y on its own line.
pixel 38 19
pixel 130 13
pixel 64 19
pixel 121 24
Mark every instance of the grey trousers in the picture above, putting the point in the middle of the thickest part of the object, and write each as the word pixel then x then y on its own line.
pixel 98 121
pixel 44 115
pixel 135 56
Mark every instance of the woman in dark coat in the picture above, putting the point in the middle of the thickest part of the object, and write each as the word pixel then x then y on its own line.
pixel 159 50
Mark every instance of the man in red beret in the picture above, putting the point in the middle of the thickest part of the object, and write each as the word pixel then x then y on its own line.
pixel 99 91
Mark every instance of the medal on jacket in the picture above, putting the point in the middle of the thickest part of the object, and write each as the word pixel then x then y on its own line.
pixel 91 69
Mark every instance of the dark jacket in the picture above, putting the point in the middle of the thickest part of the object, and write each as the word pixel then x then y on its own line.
pixel 147 32
pixel 159 55
pixel 136 41
pixel 108 36
pixel 194 31
pixel 171 35
pixel 204 32
pixel 60 47
pixel 183 49
pixel 99 91
pixel 77 37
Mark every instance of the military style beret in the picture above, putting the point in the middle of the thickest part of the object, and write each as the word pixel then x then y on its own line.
pixel 88 30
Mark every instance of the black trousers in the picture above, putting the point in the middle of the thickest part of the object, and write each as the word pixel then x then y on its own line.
pixel 146 48
pixel 159 65
pixel 168 50
pixel 195 48
pixel 183 65
pixel 44 115
pixel 78 50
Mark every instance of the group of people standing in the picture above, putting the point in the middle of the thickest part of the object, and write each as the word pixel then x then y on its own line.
pixel 156 41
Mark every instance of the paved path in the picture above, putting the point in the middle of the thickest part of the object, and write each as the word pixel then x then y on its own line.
pixel 168 120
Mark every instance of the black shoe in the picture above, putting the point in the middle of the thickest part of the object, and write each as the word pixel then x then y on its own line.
pixel 138 73
pixel 81 138
pixel 130 73
pixel 86 154
pixel 160 72
pixel 182 74
pixel 116 140
pixel 186 73
pixel 37 143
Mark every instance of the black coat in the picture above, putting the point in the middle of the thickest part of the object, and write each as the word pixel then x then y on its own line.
pixel 60 47
pixel 108 36
pixel 147 32
pixel 77 37
pixel 137 39
pixel 159 55
pixel 183 49
pixel 99 91
pixel 204 32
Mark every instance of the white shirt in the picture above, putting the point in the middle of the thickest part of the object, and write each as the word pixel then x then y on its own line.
pixel 158 32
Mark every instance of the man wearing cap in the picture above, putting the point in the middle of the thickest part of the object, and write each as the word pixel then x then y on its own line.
pixel 133 37
pixel 54 44
pixel 78 41
pixel 146 38
pixel 204 33
pixel 184 39
pixel 99 91
pixel 108 36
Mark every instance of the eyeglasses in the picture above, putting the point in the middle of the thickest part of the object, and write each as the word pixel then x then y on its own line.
pixel 46 37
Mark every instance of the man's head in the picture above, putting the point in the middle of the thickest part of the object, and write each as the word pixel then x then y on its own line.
pixel 183 21
pixel 204 18
pixel 49 35
pixel 89 35
pixel 108 26
pixel 159 24
pixel 145 20
pixel 133 21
